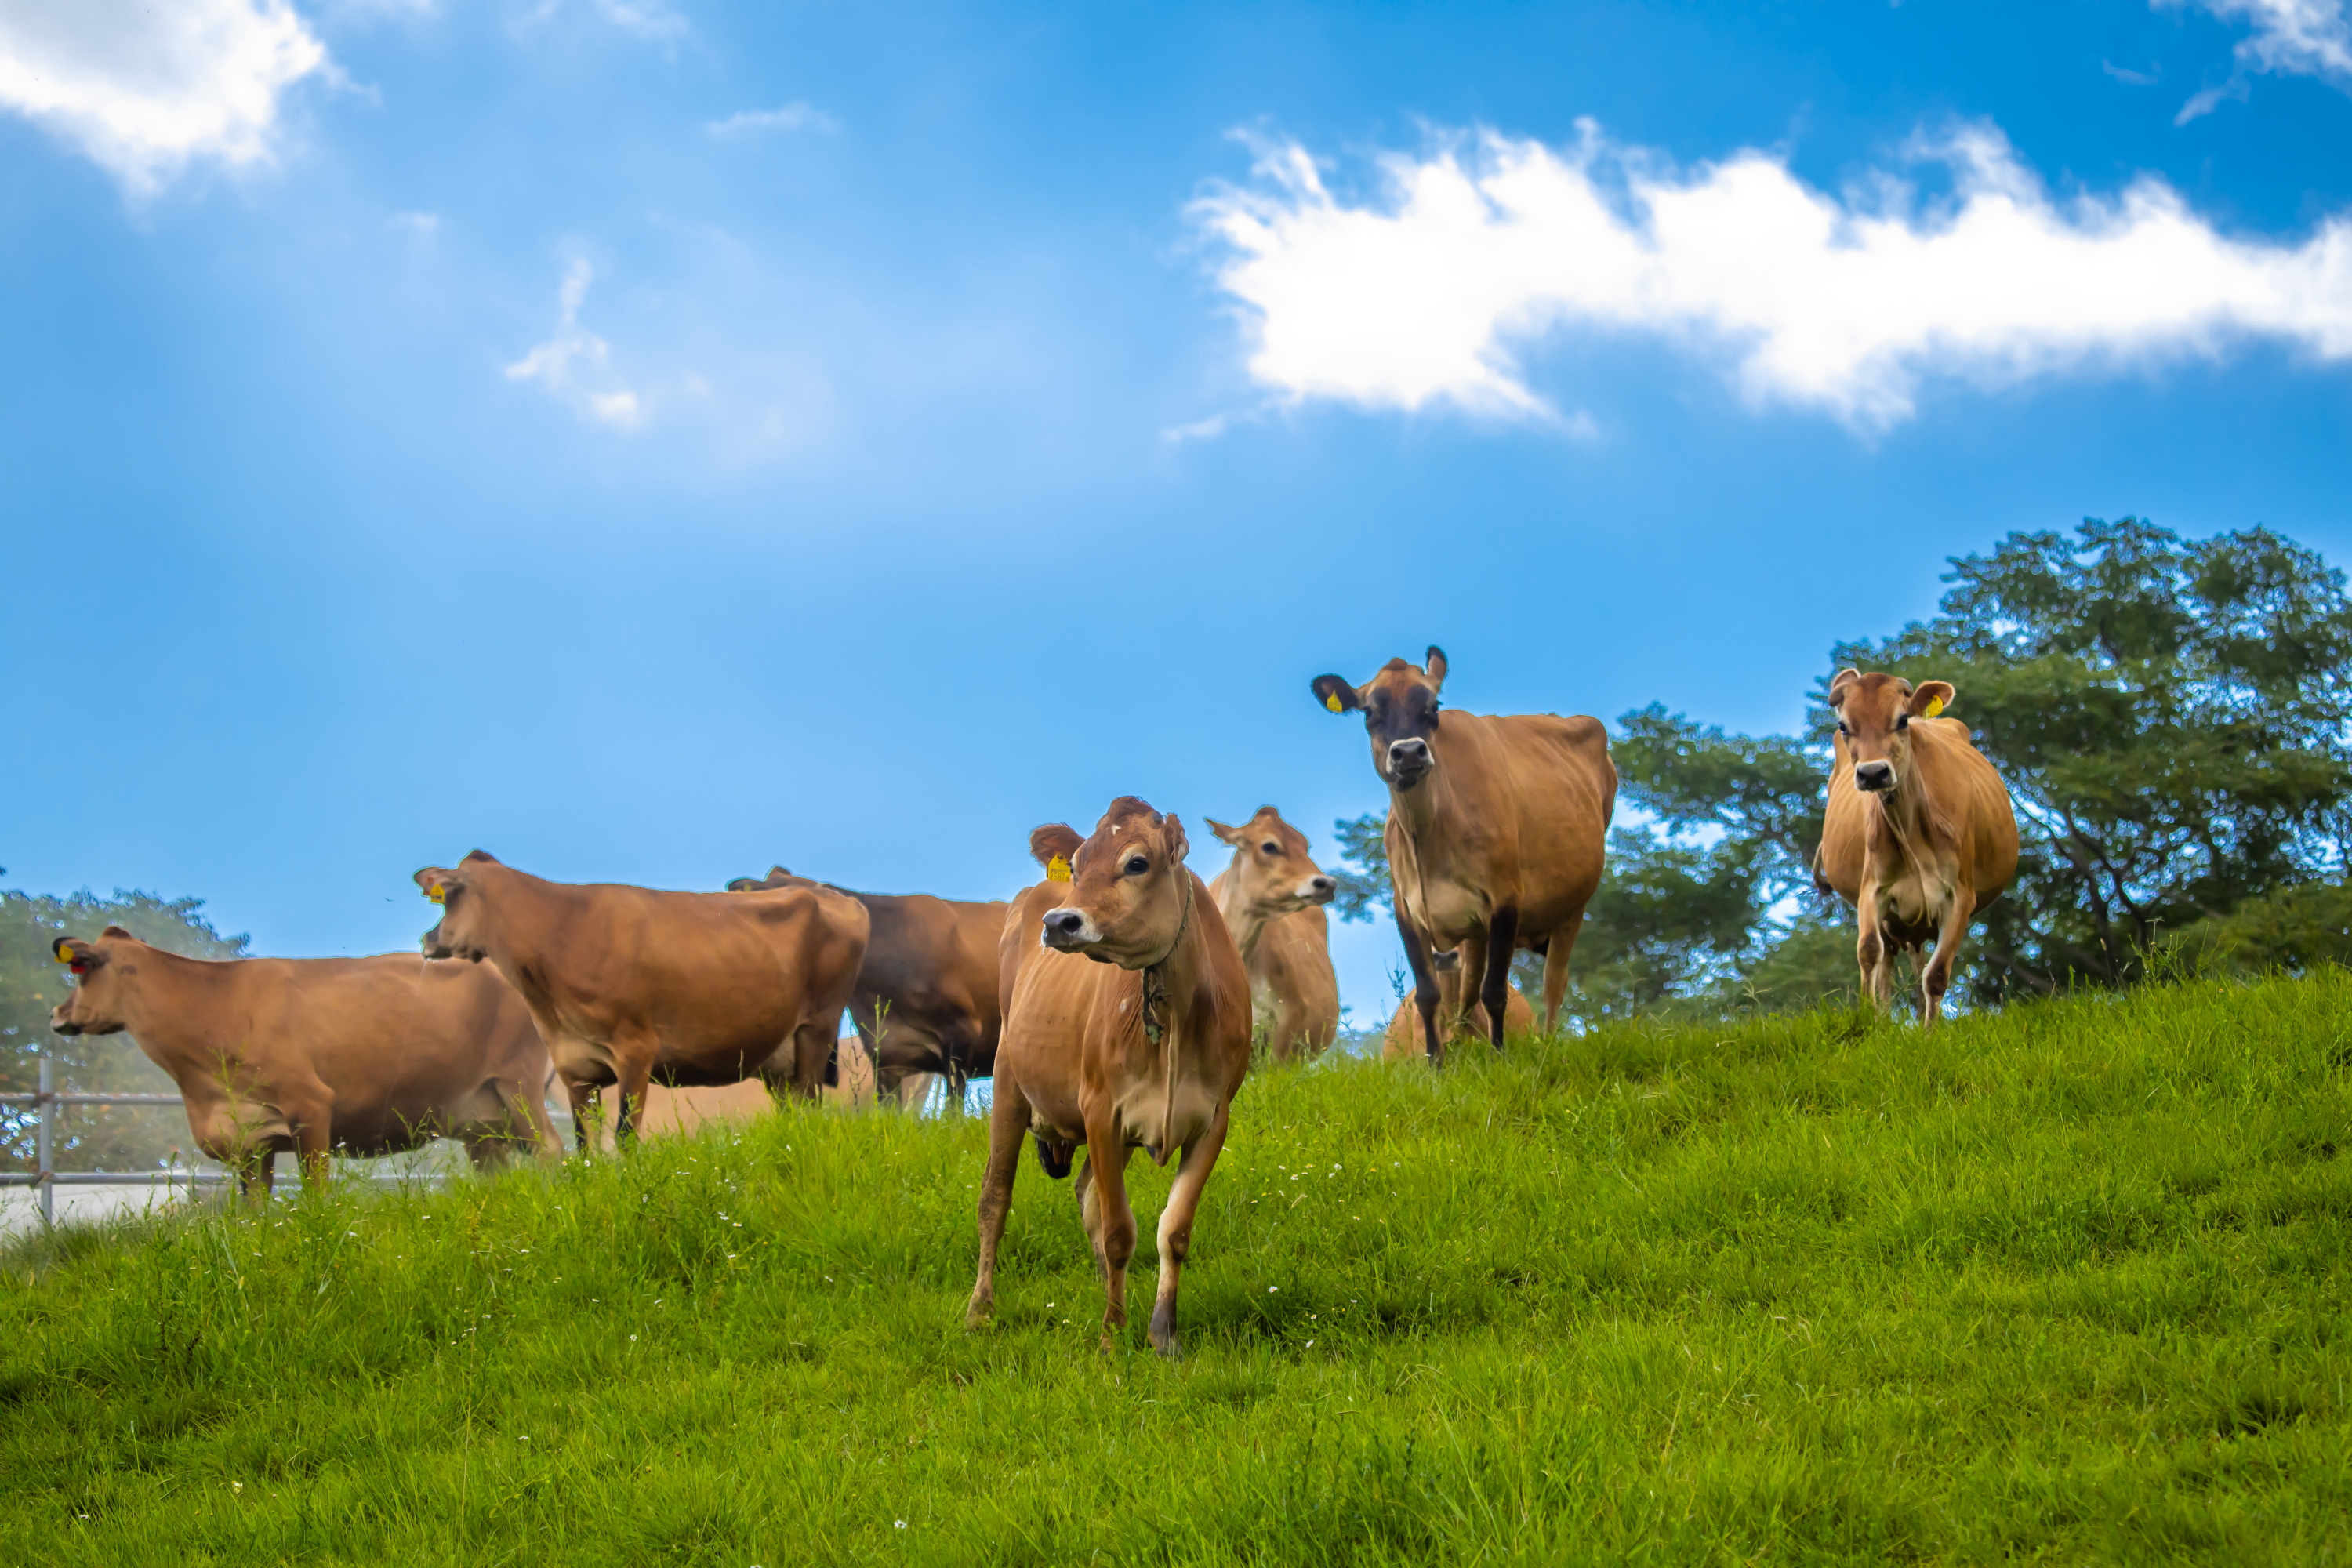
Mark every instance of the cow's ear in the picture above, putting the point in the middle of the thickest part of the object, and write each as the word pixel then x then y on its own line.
pixel 1225 834
pixel 1054 847
pixel 1932 698
pixel 1435 666
pixel 1838 684
pixel 77 956
pixel 777 873
pixel 1336 694
pixel 118 931
pixel 1172 830
pixel 438 882
pixel 746 885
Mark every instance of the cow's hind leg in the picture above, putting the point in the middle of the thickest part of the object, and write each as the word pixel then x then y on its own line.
pixel 1502 941
pixel 1176 1228
pixel 1555 979
pixel 1114 1223
pixel 1008 1124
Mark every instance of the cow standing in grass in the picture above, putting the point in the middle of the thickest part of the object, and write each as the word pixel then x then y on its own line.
pixel 367 1056
pixel 1496 831
pixel 1272 897
pixel 1919 835
pixel 1126 1024
pixel 926 999
pixel 631 985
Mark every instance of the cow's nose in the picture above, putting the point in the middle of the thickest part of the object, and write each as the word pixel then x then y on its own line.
pixel 1322 887
pixel 1066 922
pixel 1873 775
pixel 1410 755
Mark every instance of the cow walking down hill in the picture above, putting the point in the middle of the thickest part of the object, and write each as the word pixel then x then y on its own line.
pixel 926 999
pixel 1496 833
pixel 631 985
pixel 1272 897
pixel 1126 1024
pixel 367 1056
pixel 1919 835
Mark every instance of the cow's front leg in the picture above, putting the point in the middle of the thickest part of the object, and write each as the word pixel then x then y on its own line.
pixel 1176 1228
pixel 1424 981
pixel 1008 1124
pixel 1872 950
pixel 1114 1219
pixel 1502 940
pixel 1936 977
pixel 257 1166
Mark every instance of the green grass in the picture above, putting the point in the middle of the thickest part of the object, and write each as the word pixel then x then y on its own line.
pixel 2065 1284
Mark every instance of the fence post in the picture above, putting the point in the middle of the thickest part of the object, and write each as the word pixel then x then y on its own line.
pixel 46 1161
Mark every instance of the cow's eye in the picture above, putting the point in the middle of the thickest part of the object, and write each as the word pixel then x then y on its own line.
pixel 1903 721
pixel 1271 848
pixel 1138 866
pixel 1841 729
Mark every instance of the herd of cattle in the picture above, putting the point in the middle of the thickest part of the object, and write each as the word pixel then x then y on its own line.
pixel 1115 1002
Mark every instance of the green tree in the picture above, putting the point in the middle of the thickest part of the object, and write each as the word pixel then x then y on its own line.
pixel 2170 717
pixel 32 982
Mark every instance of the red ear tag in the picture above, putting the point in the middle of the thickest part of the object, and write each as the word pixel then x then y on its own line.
pixel 77 966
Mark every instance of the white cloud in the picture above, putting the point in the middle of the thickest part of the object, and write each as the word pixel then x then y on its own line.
pixel 791 116
pixel 575 365
pixel 418 226
pixel 2289 37
pixel 1482 247
pixel 143 89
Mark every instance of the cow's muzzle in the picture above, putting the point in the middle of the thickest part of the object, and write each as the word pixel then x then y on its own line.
pixel 1320 890
pixel 1877 778
pixel 63 1026
pixel 1409 762
pixel 1067 931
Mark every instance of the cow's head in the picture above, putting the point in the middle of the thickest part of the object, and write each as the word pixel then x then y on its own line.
pixel 1875 714
pixel 1272 869
pixel 96 1005
pixel 1128 893
pixel 1399 707
pixel 464 929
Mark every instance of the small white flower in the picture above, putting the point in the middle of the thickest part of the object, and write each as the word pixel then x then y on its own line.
pixel 899 1522
pixel 1271 1288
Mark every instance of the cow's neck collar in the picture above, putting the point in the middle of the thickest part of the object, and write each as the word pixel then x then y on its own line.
pixel 1155 976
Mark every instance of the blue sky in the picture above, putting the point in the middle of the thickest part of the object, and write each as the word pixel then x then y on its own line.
pixel 650 440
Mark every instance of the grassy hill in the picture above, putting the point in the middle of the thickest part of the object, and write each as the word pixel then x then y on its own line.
pixel 2069 1283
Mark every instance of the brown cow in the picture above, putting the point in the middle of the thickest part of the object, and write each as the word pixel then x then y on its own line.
pixel 629 985
pixel 1404 1040
pixel 1496 831
pixel 370 1056
pixel 1128 1026
pixel 1919 837
pixel 1272 897
pixel 926 1000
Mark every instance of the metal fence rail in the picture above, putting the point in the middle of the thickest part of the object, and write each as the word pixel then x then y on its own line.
pixel 46 1175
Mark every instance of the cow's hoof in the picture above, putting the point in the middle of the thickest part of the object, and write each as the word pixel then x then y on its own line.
pixel 976 1316
pixel 1168 1347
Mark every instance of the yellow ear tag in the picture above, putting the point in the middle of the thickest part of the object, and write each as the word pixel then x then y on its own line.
pixel 438 893
pixel 1332 702
pixel 61 955
pixel 1935 706
pixel 1058 869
